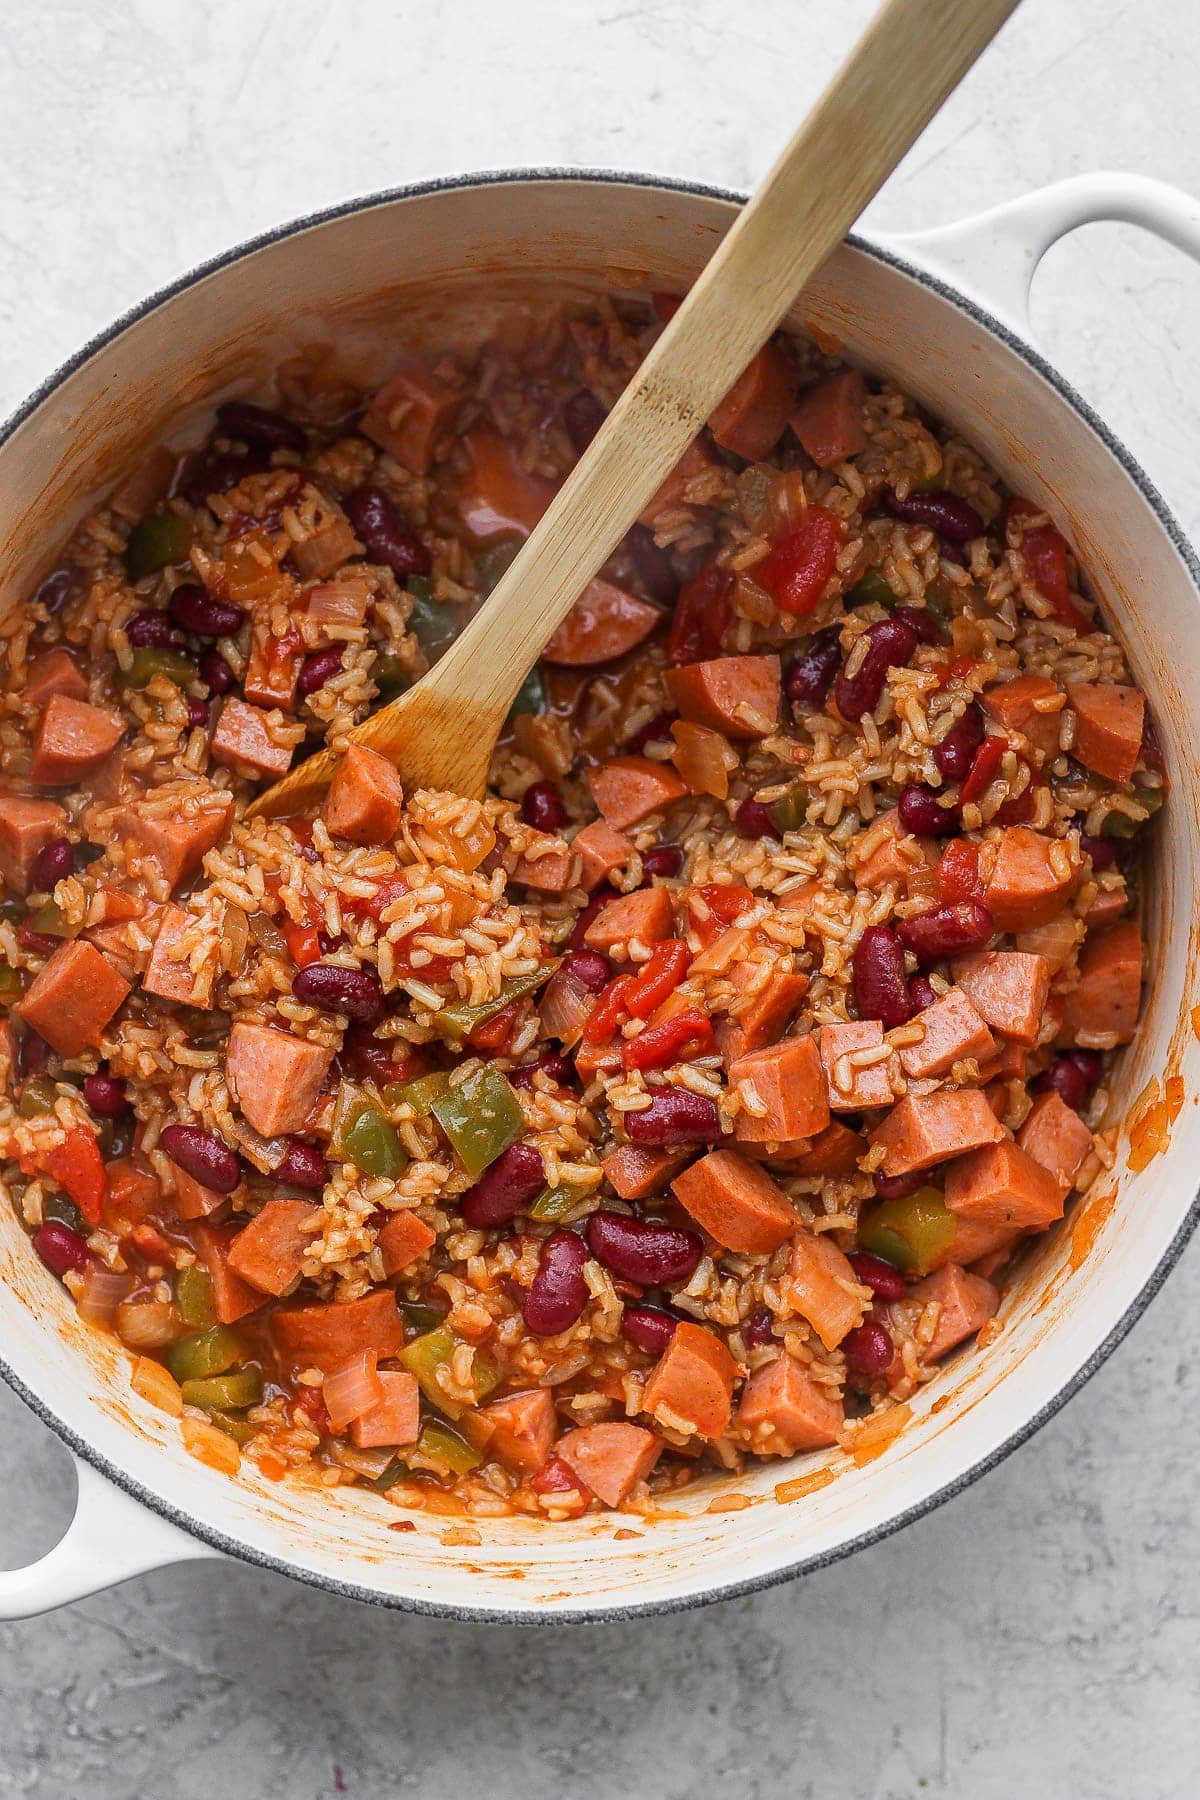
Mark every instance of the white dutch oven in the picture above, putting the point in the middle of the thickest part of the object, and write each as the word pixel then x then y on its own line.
pixel 363 275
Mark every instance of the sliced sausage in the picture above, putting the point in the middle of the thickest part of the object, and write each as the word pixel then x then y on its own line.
pixel 408 415
pixel 924 1129
pixel 403 1239
pixel 835 1152
pixel 1103 1009
pixel 696 463
pixel 521 1429
pixel 762 1010
pixel 821 1287
pixel 645 916
pixel 26 827
pixel 965 1302
pixel 604 623
pixel 273 671
pixel 610 1459
pixel 171 975
pixel 269 1252
pixel 851 1088
pixel 953 1030
pixel 396 1419
pixel 177 842
pixel 365 798
pixel 1002 1185
pixel 322 554
pixel 274 1078
pixel 546 864
pixel 601 850
pixel 895 855
pixel 73 741
pixel 783 1093
pixel 73 998
pixel 243 740
pixel 329 1333
pixel 1008 989
pixel 630 788
pixel 691 1386
pixel 1055 1136
pixel 783 1409
pixel 53 672
pixel 498 498
pixel 735 1202
pixel 233 1298
pixel 738 696
pixel 634 1172
pixel 750 420
pixel 1031 879
pixel 1109 721
pixel 828 418
pixel 1032 705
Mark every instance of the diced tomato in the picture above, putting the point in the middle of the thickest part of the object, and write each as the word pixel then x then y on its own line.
pixel 495 1034
pixel 1045 551
pixel 311 1400
pixel 701 615
pixel 609 1010
pixel 557 1477
pixel 372 906
pixel 795 572
pixel 78 1168
pixel 657 978
pixel 961 667
pixel 660 1045
pixel 382 1059
pixel 151 1242
pixel 303 943
pixel 983 770
pixel 958 872
pixel 724 904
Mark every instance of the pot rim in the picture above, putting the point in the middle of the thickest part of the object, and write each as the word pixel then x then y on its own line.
pixel 242 1551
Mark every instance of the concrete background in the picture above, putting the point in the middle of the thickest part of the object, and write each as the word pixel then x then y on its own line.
pixel 1041 1634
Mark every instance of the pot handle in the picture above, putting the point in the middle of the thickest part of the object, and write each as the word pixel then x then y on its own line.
pixel 993 256
pixel 111 1537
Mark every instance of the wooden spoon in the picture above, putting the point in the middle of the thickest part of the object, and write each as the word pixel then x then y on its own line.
pixel 442 732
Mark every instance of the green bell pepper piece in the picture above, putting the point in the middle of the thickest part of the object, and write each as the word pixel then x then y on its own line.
pixel 872 589
pixel 554 1203
pixel 425 1355
pixel 60 1209
pixel 389 675
pixel 458 1022
pixel 12 911
pixel 446 1448
pixel 224 1393
pixel 240 1430
pixel 434 623
pixel 203 1353
pixel 11 986
pixel 496 561
pixel 790 813
pixel 49 920
pixel 149 663
pixel 363 1136
pixel 420 1093
pixel 194 1298
pixel 912 1233
pixel 395 1471
pixel 531 695
pixel 1120 825
pixel 37 1096
pixel 155 542
pixel 481 1117
pixel 420 1316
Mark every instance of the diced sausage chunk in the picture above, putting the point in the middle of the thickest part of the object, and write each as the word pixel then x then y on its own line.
pixel 783 1409
pixel 365 798
pixel 924 1129
pixel 1103 1009
pixel 73 998
pixel 600 850
pixel 604 623
pixel 269 1252
pixel 691 1386
pixel 522 1429
pixel 1056 941
pixel 497 497
pixel 330 1333
pixel 821 1287
pixel 73 741
pixel 964 1301
pixel 1032 705
pixel 1002 1185
pixel 1008 989
pixel 694 465
pixel 895 856
pixel 396 1419
pixel 26 827
pixel 828 418
pixel 177 842
pixel 1030 880
pixel 402 1240
pixel 751 418
pixel 246 741
pixel 634 1172
pixel 783 1093
pixel 835 1152
pixel 410 412
pixel 1109 720
pixel 761 1010
pixel 629 788
pixel 610 1459
pixel 321 554
pixel 53 672
pixel 170 973
pixel 233 1298
pixel 953 1031
pixel 1057 1138
pixel 191 1200
pixel 852 1086
pixel 546 864
pixel 275 1078
pixel 736 1202
pixel 738 696
pixel 273 671
pixel 644 917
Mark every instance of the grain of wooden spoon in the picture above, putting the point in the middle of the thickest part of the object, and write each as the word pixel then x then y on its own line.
pixel 442 732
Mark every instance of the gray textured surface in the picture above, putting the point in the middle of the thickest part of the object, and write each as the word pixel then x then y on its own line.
pixel 1041 1634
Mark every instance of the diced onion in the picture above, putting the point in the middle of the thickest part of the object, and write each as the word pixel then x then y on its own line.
pixel 370 1463
pixel 100 1292
pixel 564 1008
pixel 157 1385
pixel 352 1390
pixel 146 1324
pixel 703 758
pixel 210 1445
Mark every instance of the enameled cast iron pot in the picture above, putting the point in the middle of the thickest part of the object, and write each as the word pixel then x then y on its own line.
pixel 371 275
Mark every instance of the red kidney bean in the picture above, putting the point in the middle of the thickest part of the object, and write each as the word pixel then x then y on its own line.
pixel 1072 1076
pixel 558 1293
pixel 216 673
pixel 810 676
pixel 945 931
pixel 880 987
pixel 260 426
pixel 892 643
pixel 869 1349
pixel 52 864
pixel 149 630
pixel 879 1276
pixel 663 860
pixel 956 752
pixel 555 1067
pixel 197 713
pixel 640 1251
pixel 105 1095
pixel 202 1155
pixel 656 732
pixel 753 820
pixel 61 1249
pixel 217 474
pixel 648 1328
pixel 582 416
pixel 35 1053
pixel 898 1187
pixel 922 812
pixel 589 968
pixel 758 1328
pixel 674 1116
pixel 543 807
pixel 1101 850
pixel 319 668
pixel 355 993
pixel 194 610
pixel 55 590
pixel 303 1166
pixel 653 566
pixel 923 623
pixel 377 524
pixel 921 993
pixel 507 1186
pixel 943 512
pixel 603 894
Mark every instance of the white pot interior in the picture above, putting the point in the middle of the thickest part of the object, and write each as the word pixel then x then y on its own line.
pixel 375 281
